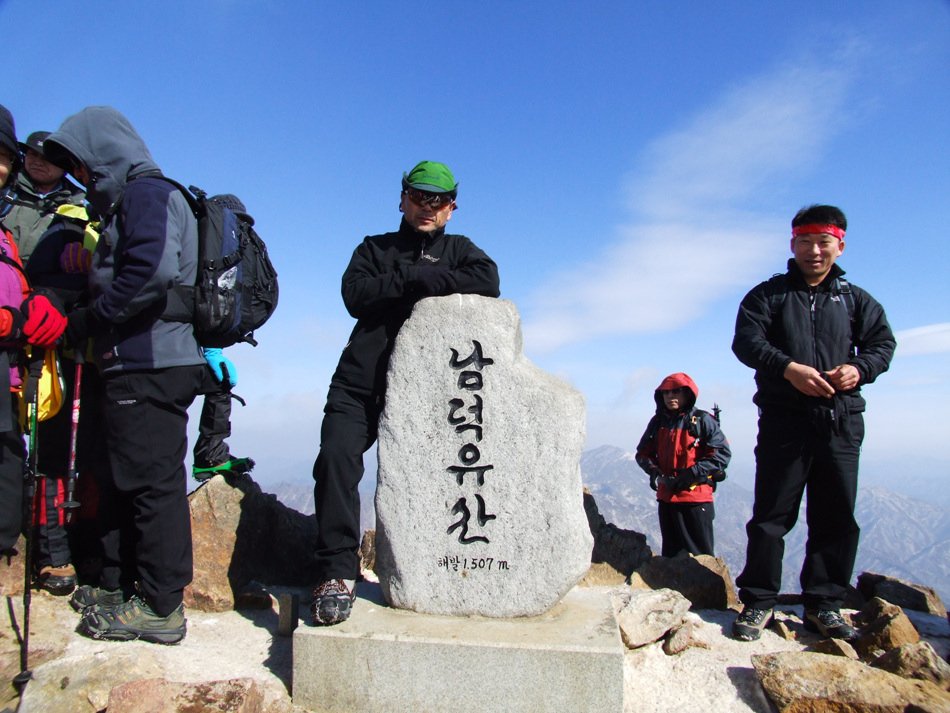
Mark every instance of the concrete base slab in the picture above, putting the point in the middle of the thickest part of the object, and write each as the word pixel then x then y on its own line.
pixel 386 660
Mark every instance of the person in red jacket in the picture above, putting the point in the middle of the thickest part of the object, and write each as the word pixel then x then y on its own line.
pixel 685 453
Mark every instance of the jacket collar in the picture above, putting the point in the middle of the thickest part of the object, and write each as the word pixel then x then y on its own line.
pixel 420 237
pixel 796 277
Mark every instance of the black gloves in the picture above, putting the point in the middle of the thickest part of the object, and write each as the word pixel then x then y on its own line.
pixel 82 324
pixel 655 474
pixel 432 280
pixel 685 479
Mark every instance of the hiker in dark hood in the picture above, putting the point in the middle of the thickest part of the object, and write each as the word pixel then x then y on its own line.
pixel 152 370
pixel 685 453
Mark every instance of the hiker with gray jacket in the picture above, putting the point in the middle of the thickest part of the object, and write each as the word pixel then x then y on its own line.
pixel 151 368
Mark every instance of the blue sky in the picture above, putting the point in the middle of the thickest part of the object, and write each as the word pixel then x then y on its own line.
pixel 632 170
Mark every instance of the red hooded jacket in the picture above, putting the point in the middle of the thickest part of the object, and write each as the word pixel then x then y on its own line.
pixel 688 438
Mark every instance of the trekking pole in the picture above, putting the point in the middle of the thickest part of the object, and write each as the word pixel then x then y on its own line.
pixel 30 475
pixel 69 504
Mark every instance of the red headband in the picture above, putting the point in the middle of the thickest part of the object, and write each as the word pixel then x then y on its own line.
pixel 818 229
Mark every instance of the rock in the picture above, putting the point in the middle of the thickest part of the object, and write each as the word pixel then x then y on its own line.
pixel 479 500
pixel 678 638
pixel 888 631
pixel 368 551
pixel 240 695
pixel 918 660
pixel 875 609
pixel 253 596
pixel 781 627
pixel 703 580
pixel 81 684
pixel 11 570
pixel 617 553
pixel 288 614
pixel 242 535
pixel 904 594
pixel 43 648
pixel 602 574
pixel 818 683
pixel 834 647
pixel 646 616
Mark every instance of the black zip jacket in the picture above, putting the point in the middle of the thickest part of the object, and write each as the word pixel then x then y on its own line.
pixel 812 327
pixel 380 289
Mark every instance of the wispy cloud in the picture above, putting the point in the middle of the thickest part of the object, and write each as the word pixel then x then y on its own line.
pixel 692 225
pixel 932 339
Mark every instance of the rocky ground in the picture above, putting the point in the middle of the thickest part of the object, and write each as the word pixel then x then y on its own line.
pixel 229 642
pixel 73 673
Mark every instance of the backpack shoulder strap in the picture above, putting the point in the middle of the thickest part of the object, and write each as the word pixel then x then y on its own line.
pixel 777 291
pixel 843 288
pixel 694 420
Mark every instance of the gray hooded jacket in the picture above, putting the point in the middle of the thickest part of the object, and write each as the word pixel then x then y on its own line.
pixel 149 244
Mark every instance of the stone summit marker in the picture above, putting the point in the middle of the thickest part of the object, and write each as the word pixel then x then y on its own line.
pixel 481 536
pixel 479 500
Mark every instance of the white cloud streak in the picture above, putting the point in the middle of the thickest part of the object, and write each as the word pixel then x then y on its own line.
pixel 692 234
pixel 932 339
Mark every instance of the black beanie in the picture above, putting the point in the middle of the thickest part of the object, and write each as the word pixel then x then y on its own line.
pixel 8 132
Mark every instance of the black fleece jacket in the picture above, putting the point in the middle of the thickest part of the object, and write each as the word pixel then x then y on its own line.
pixel 811 326
pixel 380 287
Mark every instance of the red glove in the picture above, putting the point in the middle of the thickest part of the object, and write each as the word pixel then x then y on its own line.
pixel 45 323
pixel 75 259
pixel 11 324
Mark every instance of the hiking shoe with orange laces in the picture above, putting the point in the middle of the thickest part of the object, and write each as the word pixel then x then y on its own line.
pixel 134 619
pixel 57 580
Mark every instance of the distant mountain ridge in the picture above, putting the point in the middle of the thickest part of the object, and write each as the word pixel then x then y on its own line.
pixel 900 536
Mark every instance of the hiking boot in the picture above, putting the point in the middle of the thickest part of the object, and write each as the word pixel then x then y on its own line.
pixel 232 466
pixel 87 596
pixel 134 619
pixel 749 624
pixel 332 602
pixel 829 623
pixel 57 580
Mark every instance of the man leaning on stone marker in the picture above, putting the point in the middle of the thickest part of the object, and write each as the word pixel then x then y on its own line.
pixel 813 340
pixel 386 276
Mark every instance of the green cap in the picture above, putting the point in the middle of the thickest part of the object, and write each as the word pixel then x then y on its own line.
pixel 432 177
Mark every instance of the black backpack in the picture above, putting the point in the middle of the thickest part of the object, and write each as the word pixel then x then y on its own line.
pixel 236 288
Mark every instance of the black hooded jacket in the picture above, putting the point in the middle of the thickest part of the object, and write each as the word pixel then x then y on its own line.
pixel 148 243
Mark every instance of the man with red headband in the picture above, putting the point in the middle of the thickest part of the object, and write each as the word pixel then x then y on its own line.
pixel 813 340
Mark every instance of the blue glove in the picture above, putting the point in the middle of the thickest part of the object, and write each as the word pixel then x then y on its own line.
pixel 221 366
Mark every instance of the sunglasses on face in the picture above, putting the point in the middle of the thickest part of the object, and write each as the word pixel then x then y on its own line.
pixel 436 200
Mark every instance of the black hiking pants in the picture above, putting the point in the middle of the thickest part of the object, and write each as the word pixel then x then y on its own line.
pixel 795 455
pixel 143 516
pixel 350 426
pixel 214 427
pixel 12 458
pixel 686 526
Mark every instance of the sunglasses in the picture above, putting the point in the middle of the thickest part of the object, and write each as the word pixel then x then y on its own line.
pixel 435 200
